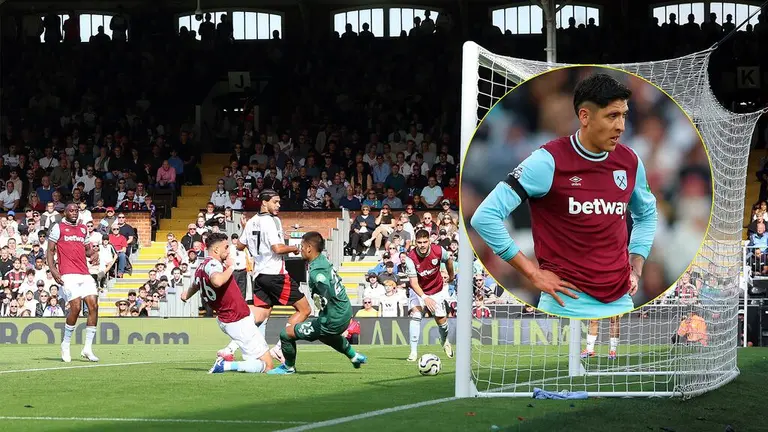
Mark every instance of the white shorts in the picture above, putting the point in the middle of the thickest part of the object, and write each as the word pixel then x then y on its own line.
pixel 247 337
pixel 78 286
pixel 440 299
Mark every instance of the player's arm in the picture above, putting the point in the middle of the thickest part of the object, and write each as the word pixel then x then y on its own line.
pixel 642 206
pixel 278 247
pixel 220 275
pixel 50 253
pixel 192 290
pixel 413 278
pixel 532 178
pixel 242 240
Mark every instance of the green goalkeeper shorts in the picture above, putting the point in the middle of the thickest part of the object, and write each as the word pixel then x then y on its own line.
pixel 315 328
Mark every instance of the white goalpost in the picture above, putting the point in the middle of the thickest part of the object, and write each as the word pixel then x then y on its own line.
pixel 517 353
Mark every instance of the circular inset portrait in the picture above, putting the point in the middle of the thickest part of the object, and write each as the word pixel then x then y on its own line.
pixel 586 192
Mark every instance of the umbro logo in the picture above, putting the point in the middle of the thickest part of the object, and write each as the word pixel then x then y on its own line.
pixel 575 181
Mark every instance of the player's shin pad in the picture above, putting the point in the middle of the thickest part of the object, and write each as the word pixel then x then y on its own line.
pixel 288 348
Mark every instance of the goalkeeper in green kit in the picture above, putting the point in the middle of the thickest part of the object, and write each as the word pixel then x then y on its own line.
pixel 334 318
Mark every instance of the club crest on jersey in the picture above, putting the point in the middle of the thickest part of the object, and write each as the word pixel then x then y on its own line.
pixel 82 230
pixel 620 178
pixel 434 261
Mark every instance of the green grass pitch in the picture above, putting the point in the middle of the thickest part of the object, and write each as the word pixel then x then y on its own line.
pixel 171 383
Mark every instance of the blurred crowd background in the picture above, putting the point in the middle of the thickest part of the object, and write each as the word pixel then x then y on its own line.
pixel 675 159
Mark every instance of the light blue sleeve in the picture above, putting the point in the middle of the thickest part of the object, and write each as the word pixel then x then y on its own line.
pixel 534 177
pixel 642 206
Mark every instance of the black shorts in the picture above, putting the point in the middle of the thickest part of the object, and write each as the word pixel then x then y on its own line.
pixel 275 290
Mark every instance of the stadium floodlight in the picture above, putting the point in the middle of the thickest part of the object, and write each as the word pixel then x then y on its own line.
pixel 514 356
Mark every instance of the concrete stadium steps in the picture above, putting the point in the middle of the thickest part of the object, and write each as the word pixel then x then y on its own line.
pixel 145 260
pixel 197 191
pixel 214 162
pixel 211 179
pixel 193 198
pixel 193 201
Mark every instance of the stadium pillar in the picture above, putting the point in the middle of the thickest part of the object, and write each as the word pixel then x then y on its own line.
pixel 550 12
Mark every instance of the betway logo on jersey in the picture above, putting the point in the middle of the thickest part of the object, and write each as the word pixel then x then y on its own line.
pixel 426 273
pixel 73 238
pixel 597 206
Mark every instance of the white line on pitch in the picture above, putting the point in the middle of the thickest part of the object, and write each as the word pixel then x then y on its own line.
pixel 150 420
pixel 73 367
pixel 340 420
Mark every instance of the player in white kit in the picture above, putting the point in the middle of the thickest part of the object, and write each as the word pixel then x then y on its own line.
pixel 272 285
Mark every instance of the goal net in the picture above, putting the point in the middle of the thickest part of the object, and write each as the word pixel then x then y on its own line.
pixel 671 347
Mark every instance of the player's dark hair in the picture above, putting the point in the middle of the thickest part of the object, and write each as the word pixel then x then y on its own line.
pixel 215 238
pixel 422 233
pixel 267 194
pixel 600 89
pixel 315 239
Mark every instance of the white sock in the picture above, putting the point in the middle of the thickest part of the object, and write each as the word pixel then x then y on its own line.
pixel 279 345
pixel 415 333
pixel 614 343
pixel 232 347
pixel 591 339
pixel 68 329
pixel 90 333
pixel 443 330
pixel 249 366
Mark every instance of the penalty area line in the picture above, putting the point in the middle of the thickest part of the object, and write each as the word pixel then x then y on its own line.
pixel 150 420
pixel 356 417
pixel 74 367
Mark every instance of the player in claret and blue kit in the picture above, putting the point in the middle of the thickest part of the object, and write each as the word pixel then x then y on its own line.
pixel 219 288
pixel 580 189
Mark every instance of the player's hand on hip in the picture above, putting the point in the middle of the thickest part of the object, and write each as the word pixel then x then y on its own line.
pixel 550 283
pixel 430 303
pixel 634 282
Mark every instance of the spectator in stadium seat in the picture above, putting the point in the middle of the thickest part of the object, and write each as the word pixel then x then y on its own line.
pixel 312 202
pixel 400 231
pixel 759 239
pixel 328 203
pixel 446 211
pixel 45 190
pixel 432 194
pixel 384 226
pixel 362 177
pixel 372 200
pixel 337 189
pixel 99 192
pixel 361 231
pixel 188 240
pixel 219 197
pixel 392 200
pixel 396 181
pixel 368 311
pixel 350 201
pixel 61 176
pixel 166 176
pixel 9 198
pixel 120 243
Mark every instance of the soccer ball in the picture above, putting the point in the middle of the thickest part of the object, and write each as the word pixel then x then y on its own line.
pixel 429 364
